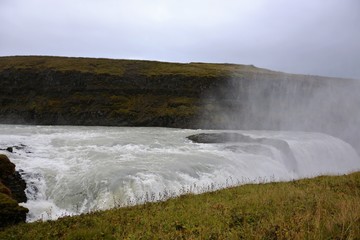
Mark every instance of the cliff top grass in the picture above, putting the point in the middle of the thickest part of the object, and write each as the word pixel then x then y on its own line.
pixel 121 67
pixel 321 208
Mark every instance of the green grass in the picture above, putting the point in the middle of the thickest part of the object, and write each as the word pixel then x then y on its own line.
pixel 319 208
pixel 126 67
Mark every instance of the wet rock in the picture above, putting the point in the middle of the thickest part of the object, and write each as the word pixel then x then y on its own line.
pixel 12 191
pixel 4 189
pixel 219 137
pixel 10 211
pixel 17 186
pixel 231 137
pixel 12 179
pixel 11 148
pixel 6 167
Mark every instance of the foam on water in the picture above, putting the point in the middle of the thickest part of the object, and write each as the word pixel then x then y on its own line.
pixel 71 170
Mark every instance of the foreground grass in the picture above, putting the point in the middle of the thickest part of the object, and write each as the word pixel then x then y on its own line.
pixel 319 208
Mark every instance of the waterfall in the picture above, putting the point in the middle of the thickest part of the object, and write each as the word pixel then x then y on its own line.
pixel 73 170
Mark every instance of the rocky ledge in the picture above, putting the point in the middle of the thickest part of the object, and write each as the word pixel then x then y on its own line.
pixel 233 137
pixel 12 192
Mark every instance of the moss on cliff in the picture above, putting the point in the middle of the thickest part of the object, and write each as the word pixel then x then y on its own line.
pixel 4 189
pixel 6 167
pixel 10 211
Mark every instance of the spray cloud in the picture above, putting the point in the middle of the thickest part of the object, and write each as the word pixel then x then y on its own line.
pixel 277 101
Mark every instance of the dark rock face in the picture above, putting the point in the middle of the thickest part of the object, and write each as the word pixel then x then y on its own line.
pixel 10 212
pixel 220 137
pixel 17 186
pixel 6 167
pixel 12 179
pixel 231 137
pixel 12 191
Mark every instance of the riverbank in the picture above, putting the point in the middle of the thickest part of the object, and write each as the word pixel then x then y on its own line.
pixel 318 208
pixel 41 90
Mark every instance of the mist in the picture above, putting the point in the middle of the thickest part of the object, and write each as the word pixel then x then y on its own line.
pixel 287 103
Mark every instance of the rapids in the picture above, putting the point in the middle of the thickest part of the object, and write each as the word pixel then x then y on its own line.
pixel 72 170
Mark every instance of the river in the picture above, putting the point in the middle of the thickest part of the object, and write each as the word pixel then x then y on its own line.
pixel 71 170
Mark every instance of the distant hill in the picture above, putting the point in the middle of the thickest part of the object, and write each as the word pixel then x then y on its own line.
pixel 88 91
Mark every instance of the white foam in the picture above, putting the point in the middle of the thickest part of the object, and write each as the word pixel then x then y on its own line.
pixel 44 210
pixel 72 170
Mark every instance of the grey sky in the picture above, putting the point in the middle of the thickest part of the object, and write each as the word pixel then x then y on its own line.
pixel 319 37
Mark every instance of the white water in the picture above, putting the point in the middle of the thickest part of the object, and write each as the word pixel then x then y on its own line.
pixel 72 170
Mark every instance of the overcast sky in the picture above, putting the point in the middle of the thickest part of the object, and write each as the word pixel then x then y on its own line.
pixel 319 37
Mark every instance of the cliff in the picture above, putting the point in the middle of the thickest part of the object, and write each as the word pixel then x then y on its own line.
pixel 85 91
pixel 12 191
pixel 79 91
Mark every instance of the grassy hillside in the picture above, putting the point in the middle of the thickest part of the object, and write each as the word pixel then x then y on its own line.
pixel 89 91
pixel 122 67
pixel 319 208
pixel 107 92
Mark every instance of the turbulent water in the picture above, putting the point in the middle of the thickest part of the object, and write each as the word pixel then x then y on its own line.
pixel 72 170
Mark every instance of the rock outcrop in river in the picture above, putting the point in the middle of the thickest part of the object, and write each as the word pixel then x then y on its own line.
pixel 231 137
pixel 84 91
